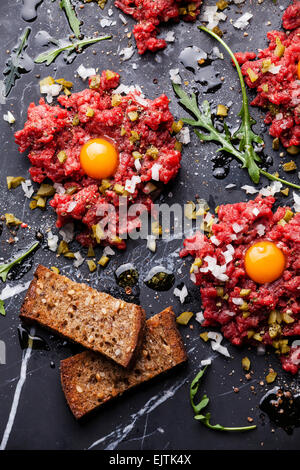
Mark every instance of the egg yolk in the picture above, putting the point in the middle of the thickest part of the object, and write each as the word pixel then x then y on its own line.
pixel 99 158
pixel 264 262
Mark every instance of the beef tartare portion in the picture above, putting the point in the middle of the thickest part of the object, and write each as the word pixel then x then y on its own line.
pixel 276 76
pixel 150 13
pixel 248 270
pixel 138 145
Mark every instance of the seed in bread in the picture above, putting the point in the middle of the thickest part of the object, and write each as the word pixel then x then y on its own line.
pixel 94 319
pixel 89 380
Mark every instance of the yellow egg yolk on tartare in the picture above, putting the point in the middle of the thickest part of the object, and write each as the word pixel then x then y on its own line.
pixel 99 158
pixel 264 262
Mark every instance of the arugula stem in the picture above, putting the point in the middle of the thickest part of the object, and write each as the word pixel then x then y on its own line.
pixel 5 268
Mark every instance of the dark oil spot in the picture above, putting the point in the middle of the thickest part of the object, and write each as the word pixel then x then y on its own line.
pixel 282 408
pixel 159 278
pixel 126 275
pixel 37 341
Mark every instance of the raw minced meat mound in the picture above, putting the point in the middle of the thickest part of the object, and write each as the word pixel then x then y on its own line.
pixel 150 13
pixel 138 127
pixel 247 312
pixel 275 75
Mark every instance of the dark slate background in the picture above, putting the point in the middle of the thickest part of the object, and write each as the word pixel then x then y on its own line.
pixel 156 415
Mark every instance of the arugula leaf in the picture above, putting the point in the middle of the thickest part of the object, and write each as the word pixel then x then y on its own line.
pixel 5 268
pixel 14 64
pixel 50 56
pixel 2 308
pixel 245 133
pixel 203 120
pixel 205 419
pixel 74 22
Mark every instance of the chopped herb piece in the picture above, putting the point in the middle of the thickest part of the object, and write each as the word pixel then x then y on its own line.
pixel 199 407
pixel 5 268
pixel 74 22
pixel 14 65
pixel 50 56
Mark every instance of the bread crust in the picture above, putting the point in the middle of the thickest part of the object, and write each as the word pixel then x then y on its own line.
pixel 89 380
pixel 49 304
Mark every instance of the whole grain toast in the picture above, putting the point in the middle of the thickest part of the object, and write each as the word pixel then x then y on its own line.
pixel 89 380
pixel 84 315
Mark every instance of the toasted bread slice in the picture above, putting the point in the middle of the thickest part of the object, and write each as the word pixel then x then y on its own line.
pixel 94 319
pixel 89 380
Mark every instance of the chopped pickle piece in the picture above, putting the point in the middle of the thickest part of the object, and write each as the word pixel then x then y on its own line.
pixel 69 254
pixel 245 292
pixel 32 204
pixel 289 166
pixel 91 252
pixel 133 115
pixel 103 261
pixel 177 126
pixel 285 191
pixel 257 337
pixel 204 336
pixel 62 156
pixel 134 137
pixel 288 215
pixel 76 120
pixel 190 210
pixel 178 146
pixel 244 307
pixel 64 83
pixel 71 190
pixel 55 269
pixel 279 49
pixel 101 3
pixel 271 377
pixel 137 155
pixel 246 314
pixel 293 150
pixel 246 364
pixel 222 110
pixel 119 189
pixel 272 317
pixel 274 330
pixel 196 264
pixel 63 248
pixel 105 184
pixel 182 11
pixel 47 81
pixel 98 233
pixel 41 202
pixel 287 318
pixel 275 144
pixel 184 318
pixel 116 239
pixel 252 75
pixel 282 222
pixel 90 112
pixel 156 228
pixel 152 152
pixel 116 99
pixel 110 74
pixel 10 219
pixel 220 291
pixel 92 265
pixel 123 131
pixel 95 82
pixel 45 190
pixel 265 88
pixel 250 334
pixel 14 181
pixel 222 4
pixel 266 64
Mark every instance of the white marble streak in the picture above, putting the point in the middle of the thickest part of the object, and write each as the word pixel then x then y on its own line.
pixel 113 439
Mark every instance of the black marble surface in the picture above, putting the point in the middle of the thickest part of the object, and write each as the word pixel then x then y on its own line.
pixel 156 415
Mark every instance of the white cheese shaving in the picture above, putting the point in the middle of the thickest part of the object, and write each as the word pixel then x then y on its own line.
pixel 107 22
pixel 27 188
pixel 243 21
pixel 79 259
pixel 50 91
pixel 256 211
pixel 122 18
pixel 128 89
pixel 199 317
pixel 296 202
pixel 214 240
pixel 236 227
pixel 155 171
pixel 72 206
pixel 175 77
pixel 181 293
pixel 137 164
pixel 108 251
pixel 220 349
pixel 59 188
pixel 183 136
pixel 151 243
pixel 127 52
pixel 9 117
pixel 249 189
pixel 260 229
pixel 131 184
pixel 67 232
pixel 274 69
pixel 212 16
pixel 52 241
pixel 237 301
pixel 230 186
pixel 84 72
pixel 205 362
pixel 170 37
